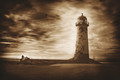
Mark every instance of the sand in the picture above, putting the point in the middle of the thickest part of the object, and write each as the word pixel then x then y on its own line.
pixel 61 72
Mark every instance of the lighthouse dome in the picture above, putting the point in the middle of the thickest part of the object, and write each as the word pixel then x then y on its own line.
pixel 82 17
pixel 82 20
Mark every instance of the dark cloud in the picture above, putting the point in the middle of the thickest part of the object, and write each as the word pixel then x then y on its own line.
pixel 8 6
pixel 45 16
pixel 113 12
pixel 36 19
pixel 20 7
pixel 46 1
pixel 17 18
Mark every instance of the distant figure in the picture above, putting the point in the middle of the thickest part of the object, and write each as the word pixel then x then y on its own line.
pixel 22 59
pixel 25 60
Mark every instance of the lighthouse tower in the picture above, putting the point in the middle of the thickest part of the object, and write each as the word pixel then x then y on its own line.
pixel 82 51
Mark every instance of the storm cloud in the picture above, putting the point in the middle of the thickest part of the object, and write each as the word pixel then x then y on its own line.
pixel 46 28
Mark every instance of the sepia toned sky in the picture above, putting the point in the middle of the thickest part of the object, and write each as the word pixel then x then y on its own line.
pixel 45 29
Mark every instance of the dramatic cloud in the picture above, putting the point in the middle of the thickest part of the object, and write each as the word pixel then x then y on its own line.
pixel 46 28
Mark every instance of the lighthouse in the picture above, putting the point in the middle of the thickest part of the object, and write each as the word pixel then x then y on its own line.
pixel 82 49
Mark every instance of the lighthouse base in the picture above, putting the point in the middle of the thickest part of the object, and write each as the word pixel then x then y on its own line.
pixel 81 58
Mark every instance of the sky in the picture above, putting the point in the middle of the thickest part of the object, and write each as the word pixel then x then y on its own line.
pixel 45 29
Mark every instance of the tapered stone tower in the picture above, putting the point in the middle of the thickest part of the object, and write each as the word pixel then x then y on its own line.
pixel 82 50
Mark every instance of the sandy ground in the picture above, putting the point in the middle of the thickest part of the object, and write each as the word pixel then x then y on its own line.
pixel 61 72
